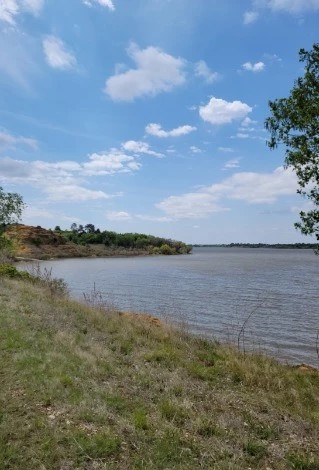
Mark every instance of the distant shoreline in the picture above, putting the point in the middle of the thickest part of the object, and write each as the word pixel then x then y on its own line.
pixel 296 246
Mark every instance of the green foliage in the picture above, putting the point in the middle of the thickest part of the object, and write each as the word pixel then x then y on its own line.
pixel 294 122
pixel 56 286
pixel 255 449
pixel 302 462
pixel 89 235
pixel 37 241
pixel 165 249
pixel 8 270
pixel 97 446
pixel 11 207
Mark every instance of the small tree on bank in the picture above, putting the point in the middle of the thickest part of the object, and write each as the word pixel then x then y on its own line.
pixel 11 207
pixel 294 122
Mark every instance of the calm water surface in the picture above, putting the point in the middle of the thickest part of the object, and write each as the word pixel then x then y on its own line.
pixel 213 291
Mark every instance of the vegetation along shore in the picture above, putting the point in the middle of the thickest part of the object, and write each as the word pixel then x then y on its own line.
pixel 88 241
pixel 90 388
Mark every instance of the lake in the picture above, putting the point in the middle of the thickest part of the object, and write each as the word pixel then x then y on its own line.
pixel 213 291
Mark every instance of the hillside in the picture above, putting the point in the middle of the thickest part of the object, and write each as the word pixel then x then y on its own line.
pixel 39 243
pixel 94 389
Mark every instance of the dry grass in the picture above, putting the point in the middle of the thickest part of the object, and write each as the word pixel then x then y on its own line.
pixel 81 389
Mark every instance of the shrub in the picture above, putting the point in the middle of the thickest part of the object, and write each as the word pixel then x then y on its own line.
pixel 55 285
pixel 166 249
pixel 8 270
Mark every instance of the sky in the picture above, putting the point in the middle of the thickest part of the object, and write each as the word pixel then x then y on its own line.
pixel 148 115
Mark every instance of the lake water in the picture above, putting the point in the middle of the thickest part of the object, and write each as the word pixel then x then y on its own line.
pixel 213 291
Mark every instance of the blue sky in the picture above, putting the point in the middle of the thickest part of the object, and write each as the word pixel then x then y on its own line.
pixel 147 115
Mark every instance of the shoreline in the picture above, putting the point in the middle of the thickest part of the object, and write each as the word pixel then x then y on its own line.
pixel 87 388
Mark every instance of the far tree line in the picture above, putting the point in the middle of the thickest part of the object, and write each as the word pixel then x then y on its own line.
pixel 90 235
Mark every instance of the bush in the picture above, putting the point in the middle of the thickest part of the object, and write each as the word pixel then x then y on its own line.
pixel 55 285
pixel 8 270
pixel 167 250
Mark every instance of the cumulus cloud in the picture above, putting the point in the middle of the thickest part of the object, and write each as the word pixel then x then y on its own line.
pixel 10 9
pixel 219 111
pixel 289 6
pixel 248 122
pixel 155 72
pixel 118 216
pixel 249 187
pixel 57 55
pixel 250 17
pixel 202 70
pixel 257 67
pixel 195 149
pixel 74 193
pixel 190 205
pixel 256 188
pixel 226 149
pixel 109 163
pixel 152 218
pixel 234 163
pixel 293 6
pixel 156 130
pixel 104 3
pixel 67 180
pixel 138 147
pixel 8 140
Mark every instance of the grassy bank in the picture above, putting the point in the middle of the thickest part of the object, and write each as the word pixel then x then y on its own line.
pixel 81 389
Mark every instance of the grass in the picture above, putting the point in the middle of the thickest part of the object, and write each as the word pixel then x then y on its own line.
pixel 82 389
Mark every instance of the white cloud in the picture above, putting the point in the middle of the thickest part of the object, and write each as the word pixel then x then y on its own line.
pixel 202 70
pixel 66 180
pixel 195 149
pixel 109 163
pixel 74 193
pixel 272 58
pixel 293 6
pixel 152 218
pixel 156 130
pixel 8 140
pixel 118 216
pixel 189 206
pixel 155 72
pixel 240 135
pixel 56 54
pixel 138 147
pixel 104 3
pixel 257 67
pixel 234 163
pixel 250 17
pixel 248 122
pixel 226 149
pixel 289 6
pixel 10 9
pixel 17 63
pixel 33 6
pixel 249 187
pixel 256 188
pixel 219 111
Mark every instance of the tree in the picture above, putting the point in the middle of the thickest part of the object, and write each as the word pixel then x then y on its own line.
pixel 294 122
pixel 11 207
pixel 89 228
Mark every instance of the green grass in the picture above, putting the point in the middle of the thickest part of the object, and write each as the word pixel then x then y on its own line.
pixel 82 389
